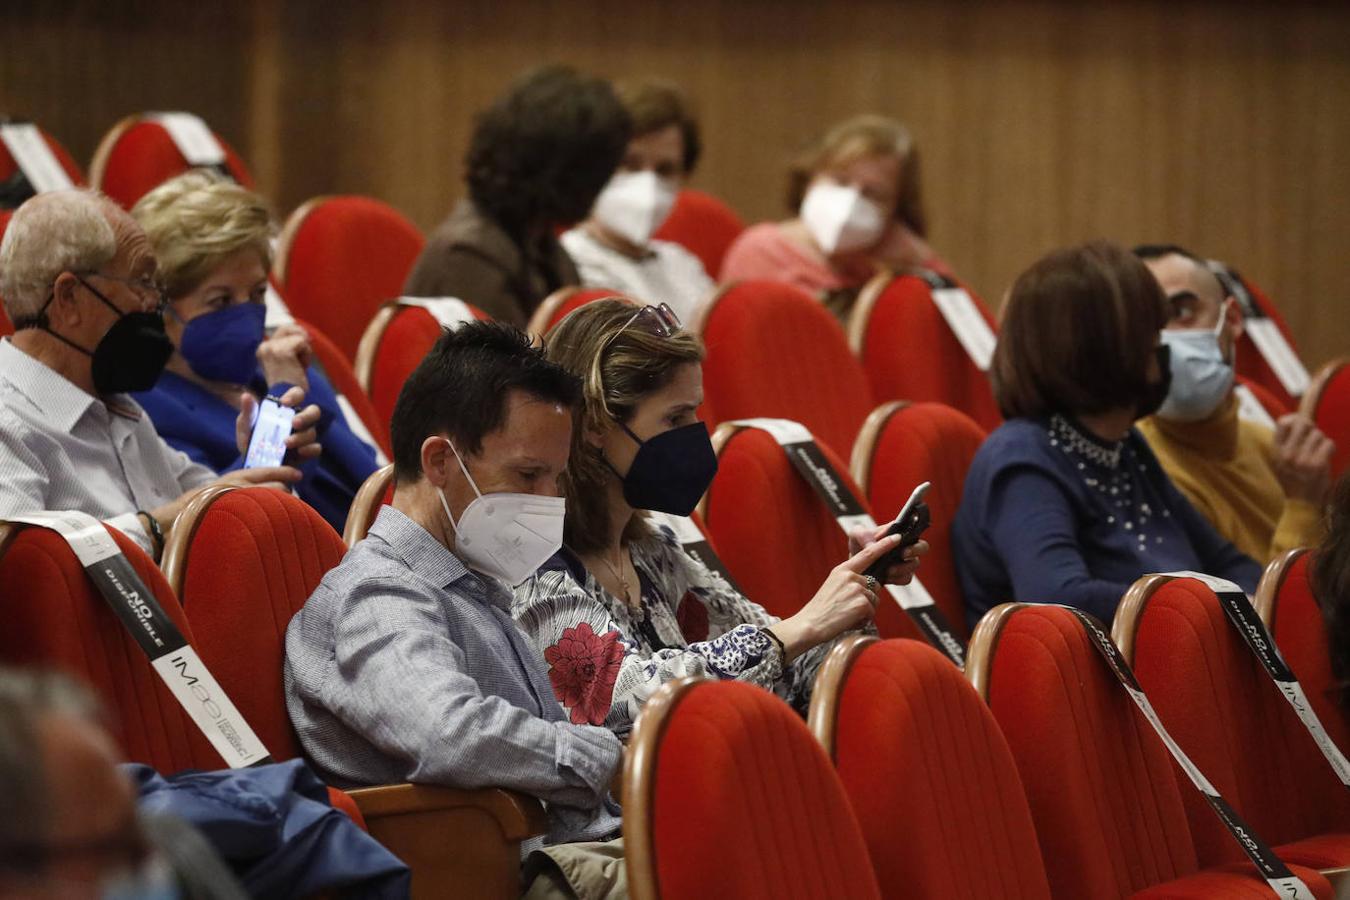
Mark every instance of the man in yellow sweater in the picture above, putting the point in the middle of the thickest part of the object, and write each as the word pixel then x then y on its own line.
pixel 1262 490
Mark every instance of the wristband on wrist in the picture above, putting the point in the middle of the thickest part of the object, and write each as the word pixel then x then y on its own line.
pixel 156 533
pixel 782 649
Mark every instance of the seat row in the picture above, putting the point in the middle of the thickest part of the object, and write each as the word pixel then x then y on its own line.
pixel 1033 775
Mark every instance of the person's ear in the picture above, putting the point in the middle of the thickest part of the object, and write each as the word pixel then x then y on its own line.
pixel 436 460
pixel 1236 320
pixel 595 437
pixel 64 310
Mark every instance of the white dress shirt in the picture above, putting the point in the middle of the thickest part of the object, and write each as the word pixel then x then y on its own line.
pixel 61 448
pixel 666 273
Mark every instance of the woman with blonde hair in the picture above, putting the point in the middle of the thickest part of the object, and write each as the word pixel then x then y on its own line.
pixel 212 239
pixel 621 609
pixel 858 209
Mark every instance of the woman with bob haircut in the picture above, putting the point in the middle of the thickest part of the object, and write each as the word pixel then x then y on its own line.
pixel 859 210
pixel 537 159
pixel 622 608
pixel 1064 502
pixel 212 239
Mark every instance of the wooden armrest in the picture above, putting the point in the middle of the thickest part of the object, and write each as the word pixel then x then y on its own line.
pixel 462 844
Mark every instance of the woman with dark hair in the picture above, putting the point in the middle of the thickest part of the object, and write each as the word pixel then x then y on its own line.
pixel 1065 503
pixel 622 608
pixel 1330 574
pixel 858 209
pixel 537 160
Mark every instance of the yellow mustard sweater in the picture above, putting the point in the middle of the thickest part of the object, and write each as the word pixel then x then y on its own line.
pixel 1223 466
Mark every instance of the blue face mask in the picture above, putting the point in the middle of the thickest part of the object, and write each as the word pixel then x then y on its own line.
pixel 223 345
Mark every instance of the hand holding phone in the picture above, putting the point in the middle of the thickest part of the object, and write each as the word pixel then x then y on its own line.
pixel 267 445
pixel 911 522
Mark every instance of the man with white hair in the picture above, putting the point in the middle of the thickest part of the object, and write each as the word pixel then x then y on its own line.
pixel 78 280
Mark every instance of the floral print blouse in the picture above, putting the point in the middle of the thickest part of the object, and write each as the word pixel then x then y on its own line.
pixel 606 657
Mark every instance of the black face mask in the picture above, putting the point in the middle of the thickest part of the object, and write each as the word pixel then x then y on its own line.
pixel 671 471
pixel 131 354
pixel 1156 392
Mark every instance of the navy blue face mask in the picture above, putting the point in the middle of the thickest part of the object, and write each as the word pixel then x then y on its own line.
pixel 671 471
pixel 223 345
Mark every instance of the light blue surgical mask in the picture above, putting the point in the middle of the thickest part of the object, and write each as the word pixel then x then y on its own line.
pixel 1201 377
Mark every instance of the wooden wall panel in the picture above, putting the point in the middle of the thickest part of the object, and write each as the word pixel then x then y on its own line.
pixel 1219 125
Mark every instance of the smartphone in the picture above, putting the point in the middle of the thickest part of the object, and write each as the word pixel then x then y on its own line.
pixel 267 445
pixel 911 522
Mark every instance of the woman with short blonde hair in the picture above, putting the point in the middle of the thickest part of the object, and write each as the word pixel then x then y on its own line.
pixel 212 239
pixel 859 210
pixel 622 608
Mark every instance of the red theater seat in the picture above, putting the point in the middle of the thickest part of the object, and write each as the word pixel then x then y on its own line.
pixel 1286 604
pixel 1268 400
pixel 343 379
pixel 902 445
pixel 394 343
pixel 909 352
pixel 558 304
pixel 340 258
pixel 8 166
pixel 1230 718
pixel 377 490
pixel 1107 804
pixel 928 772
pixel 726 794
pixel 138 154
pixel 775 351
pixel 1250 364
pixel 703 225
pixel 244 562
pixel 1327 403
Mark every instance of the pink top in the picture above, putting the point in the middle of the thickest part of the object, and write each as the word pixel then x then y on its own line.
pixel 765 252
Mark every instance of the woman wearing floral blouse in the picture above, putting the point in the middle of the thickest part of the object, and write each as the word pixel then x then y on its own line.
pixel 621 609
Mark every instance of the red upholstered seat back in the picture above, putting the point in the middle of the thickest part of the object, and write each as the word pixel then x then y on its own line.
pixel 8 166
pixel 1249 362
pixel 560 303
pixel 1328 404
pixel 138 155
pixel 1301 634
pixel 932 780
pixel 703 225
pixel 773 533
pixel 407 335
pixel 775 351
pixel 254 559
pixel 1269 401
pixel 909 352
pixel 746 804
pixel 1230 719
pixel 341 258
pixel 915 443
pixel 54 617
pixel 1107 805
pixel 338 368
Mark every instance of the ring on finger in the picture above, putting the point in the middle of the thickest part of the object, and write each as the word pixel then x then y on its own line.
pixel 872 584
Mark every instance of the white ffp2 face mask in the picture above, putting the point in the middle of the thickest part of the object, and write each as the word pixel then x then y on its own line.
pixel 634 204
pixel 1201 378
pixel 840 219
pixel 505 535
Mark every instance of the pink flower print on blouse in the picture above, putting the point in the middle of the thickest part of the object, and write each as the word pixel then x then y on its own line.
pixel 583 666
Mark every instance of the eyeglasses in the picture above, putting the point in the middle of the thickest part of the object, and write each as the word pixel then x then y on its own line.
pixel 658 320
pixel 145 289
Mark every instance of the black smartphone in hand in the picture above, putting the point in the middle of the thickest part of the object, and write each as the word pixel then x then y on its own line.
pixel 912 521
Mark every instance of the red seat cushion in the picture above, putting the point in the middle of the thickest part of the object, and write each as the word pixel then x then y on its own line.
pixel 910 353
pixel 8 166
pixel 927 442
pixel 1106 802
pixel 703 225
pixel 774 351
pixel 55 617
pixel 256 556
pixel 144 156
pixel 344 257
pixel 1332 415
pixel 932 780
pixel 1228 716
pixel 745 804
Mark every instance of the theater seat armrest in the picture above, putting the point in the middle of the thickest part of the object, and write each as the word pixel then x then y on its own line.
pixel 519 817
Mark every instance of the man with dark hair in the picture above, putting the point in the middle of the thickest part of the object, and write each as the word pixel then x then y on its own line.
pixel 537 159
pixel 1263 491
pixel 405 664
